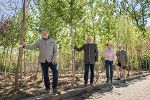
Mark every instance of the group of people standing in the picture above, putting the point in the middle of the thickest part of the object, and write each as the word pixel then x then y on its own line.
pixel 121 63
pixel 91 58
pixel 48 58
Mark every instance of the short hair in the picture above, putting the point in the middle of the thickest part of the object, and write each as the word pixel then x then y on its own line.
pixel 108 44
pixel 90 36
pixel 45 30
pixel 120 46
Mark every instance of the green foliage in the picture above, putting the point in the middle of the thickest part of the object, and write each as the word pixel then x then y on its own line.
pixel 7 68
pixel 70 21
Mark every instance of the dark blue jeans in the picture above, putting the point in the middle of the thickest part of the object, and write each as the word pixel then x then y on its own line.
pixel 45 68
pixel 86 72
pixel 109 69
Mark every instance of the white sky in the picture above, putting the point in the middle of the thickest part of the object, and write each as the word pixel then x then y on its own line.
pixel 18 3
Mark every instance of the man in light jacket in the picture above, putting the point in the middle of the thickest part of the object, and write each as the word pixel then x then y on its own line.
pixel 47 57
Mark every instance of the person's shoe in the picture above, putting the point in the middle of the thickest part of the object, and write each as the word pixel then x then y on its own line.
pixel 47 91
pixel 85 84
pixel 124 81
pixel 91 84
pixel 56 91
pixel 107 81
pixel 110 81
pixel 118 78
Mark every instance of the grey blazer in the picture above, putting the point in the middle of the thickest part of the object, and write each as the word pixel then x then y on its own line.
pixel 47 48
pixel 90 53
pixel 122 57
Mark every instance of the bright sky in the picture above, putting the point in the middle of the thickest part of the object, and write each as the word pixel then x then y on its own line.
pixel 6 7
pixel 18 4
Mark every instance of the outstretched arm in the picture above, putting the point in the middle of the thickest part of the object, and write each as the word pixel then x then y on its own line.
pixel 33 46
pixel 79 49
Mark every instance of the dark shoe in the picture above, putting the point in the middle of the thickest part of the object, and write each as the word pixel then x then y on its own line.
pixel 124 81
pixel 118 78
pixel 85 84
pixel 47 91
pixel 91 84
pixel 56 91
pixel 107 81
pixel 111 81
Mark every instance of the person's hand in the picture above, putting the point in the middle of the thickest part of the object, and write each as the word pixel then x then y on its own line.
pixel 113 62
pixel 54 62
pixel 72 46
pixel 96 63
pixel 23 44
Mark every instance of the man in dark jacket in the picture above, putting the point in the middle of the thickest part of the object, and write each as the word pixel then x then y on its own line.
pixel 90 57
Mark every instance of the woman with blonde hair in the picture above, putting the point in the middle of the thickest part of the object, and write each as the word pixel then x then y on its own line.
pixel 109 59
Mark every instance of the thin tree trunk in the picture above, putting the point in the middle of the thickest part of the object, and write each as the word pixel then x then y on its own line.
pixel 73 58
pixel 3 59
pixel 24 59
pixel 72 42
pixel 37 69
pixel 11 51
pixel 20 71
pixel 21 36
pixel 139 62
pixel 6 62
